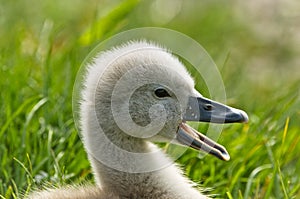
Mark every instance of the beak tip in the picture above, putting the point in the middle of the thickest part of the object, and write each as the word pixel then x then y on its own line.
pixel 244 116
pixel 226 158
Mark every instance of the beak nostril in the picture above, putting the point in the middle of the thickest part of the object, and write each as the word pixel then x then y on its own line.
pixel 208 107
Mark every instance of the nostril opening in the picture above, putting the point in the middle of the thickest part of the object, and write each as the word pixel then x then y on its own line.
pixel 208 107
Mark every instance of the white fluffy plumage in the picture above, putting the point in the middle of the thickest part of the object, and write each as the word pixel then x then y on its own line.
pixel 134 71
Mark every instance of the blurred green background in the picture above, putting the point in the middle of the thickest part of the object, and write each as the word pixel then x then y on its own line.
pixel 255 44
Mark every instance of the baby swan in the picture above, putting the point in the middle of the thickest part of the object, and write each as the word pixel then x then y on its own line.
pixel 133 95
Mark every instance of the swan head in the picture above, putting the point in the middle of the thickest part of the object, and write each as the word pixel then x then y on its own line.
pixel 146 92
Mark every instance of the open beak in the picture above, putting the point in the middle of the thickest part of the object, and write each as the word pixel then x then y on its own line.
pixel 205 110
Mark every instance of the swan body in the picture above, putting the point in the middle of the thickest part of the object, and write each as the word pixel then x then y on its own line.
pixel 132 95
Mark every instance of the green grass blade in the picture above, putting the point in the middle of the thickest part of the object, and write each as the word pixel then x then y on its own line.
pixel 19 111
pixel 108 23
pixel 252 176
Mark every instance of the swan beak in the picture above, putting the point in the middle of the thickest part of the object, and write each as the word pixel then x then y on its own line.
pixel 205 110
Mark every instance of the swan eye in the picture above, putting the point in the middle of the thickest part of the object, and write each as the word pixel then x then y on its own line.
pixel 160 92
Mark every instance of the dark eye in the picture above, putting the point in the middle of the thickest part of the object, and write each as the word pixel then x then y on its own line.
pixel 160 92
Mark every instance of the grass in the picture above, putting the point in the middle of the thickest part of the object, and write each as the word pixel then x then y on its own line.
pixel 44 46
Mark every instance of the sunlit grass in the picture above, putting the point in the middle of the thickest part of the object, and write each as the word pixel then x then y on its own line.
pixel 39 143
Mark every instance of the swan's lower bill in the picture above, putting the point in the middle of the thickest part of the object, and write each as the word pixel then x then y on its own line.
pixel 188 136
